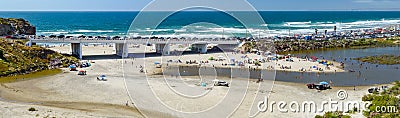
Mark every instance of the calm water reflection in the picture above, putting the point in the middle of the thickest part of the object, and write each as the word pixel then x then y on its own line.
pixel 365 73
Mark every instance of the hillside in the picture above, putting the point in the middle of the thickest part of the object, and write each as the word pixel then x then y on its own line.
pixel 16 58
pixel 11 26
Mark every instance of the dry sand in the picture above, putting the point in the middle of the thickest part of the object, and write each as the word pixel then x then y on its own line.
pixel 70 95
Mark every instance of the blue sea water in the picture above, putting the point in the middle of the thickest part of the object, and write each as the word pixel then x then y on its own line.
pixel 204 23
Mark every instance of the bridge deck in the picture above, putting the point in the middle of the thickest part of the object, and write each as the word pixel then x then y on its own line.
pixel 138 41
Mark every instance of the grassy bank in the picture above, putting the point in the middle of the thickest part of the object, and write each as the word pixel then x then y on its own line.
pixel 33 75
pixel 387 98
pixel 381 59
pixel 301 47
pixel 18 59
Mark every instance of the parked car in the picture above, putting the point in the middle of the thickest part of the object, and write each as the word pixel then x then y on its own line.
pixel 373 90
pixel 220 83
pixel 102 78
pixel 311 86
pixel 61 36
pixel 72 67
pixel 320 86
pixel 52 36
pixel 82 72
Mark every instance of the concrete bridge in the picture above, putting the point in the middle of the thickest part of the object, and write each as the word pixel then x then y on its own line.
pixel 121 44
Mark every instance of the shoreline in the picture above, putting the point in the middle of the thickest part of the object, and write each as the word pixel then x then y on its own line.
pixel 24 77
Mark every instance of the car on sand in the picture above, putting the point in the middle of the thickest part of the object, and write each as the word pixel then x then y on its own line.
pixel 220 83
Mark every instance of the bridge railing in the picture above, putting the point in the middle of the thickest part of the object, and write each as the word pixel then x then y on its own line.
pixel 142 39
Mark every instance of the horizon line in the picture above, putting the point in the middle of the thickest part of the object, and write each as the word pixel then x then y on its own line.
pixel 164 11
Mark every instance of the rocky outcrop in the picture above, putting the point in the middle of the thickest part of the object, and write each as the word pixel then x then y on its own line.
pixel 11 26
pixel 6 30
pixel 29 30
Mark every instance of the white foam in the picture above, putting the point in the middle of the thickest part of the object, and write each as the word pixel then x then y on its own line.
pixel 156 30
pixel 53 32
pixel 297 23
pixel 93 31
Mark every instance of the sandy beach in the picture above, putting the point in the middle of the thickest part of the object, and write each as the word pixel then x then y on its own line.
pixel 125 94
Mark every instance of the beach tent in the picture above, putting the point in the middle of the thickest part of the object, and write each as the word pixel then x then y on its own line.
pixel 156 62
pixel 308 37
pixel 233 59
pixel 211 58
pixel 279 56
pixel 203 84
pixel 72 66
pixel 240 63
pixel 314 58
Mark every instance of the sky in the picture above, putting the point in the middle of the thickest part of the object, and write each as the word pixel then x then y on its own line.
pixel 137 5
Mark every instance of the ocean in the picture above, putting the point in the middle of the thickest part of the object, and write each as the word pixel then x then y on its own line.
pixel 203 23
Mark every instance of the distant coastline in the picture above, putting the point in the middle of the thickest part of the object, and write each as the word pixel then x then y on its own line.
pixel 118 22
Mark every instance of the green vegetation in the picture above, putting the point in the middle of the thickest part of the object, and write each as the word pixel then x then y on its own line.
pixel 389 97
pixel 248 46
pixel 336 114
pixel 257 63
pixel 381 59
pixel 293 47
pixel 17 59
pixel 17 21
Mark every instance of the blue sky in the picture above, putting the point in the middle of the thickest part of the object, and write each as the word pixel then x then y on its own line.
pixel 135 5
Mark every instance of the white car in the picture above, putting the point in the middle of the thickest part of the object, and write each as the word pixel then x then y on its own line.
pixel 220 83
pixel 102 78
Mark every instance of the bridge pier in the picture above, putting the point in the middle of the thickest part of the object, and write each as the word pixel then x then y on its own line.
pixel 31 43
pixel 122 49
pixel 200 48
pixel 77 49
pixel 163 49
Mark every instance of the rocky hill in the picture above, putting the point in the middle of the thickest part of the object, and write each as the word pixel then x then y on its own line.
pixel 11 26
pixel 16 58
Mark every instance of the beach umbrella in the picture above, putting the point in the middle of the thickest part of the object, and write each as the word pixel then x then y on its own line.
pixel 324 83
pixel 220 57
